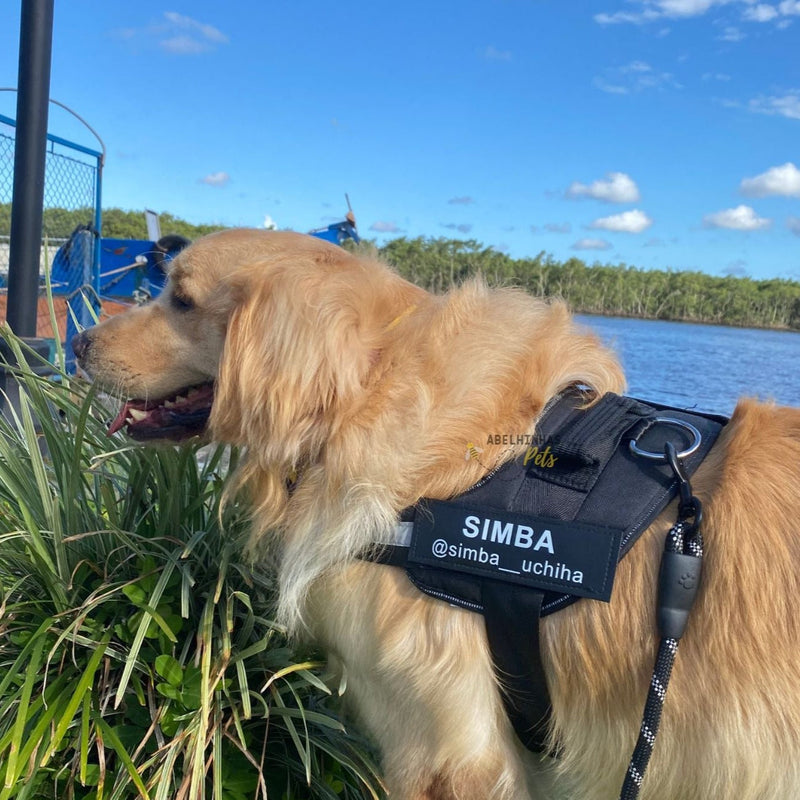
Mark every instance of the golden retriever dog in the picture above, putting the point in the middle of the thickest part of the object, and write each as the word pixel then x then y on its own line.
pixel 366 390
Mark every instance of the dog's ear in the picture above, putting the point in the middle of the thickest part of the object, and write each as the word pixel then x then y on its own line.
pixel 297 352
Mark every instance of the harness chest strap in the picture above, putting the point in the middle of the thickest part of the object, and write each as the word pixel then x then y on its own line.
pixel 532 538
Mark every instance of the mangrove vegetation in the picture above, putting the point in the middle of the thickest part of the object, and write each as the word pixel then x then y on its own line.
pixel 607 289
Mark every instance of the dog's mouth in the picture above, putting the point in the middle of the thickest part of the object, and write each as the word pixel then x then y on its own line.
pixel 177 417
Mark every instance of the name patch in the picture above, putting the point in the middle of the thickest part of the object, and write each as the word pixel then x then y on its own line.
pixel 568 557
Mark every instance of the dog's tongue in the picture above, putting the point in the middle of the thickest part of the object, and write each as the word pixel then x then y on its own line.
pixel 122 418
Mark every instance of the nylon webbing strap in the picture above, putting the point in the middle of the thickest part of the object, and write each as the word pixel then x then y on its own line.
pixel 518 665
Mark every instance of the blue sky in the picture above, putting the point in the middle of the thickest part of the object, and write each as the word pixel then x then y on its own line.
pixel 659 133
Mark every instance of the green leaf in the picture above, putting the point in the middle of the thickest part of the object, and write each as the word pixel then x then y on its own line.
pixel 167 690
pixel 170 669
pixel 135 593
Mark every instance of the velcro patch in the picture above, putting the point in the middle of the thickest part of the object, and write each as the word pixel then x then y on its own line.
pixel 569 557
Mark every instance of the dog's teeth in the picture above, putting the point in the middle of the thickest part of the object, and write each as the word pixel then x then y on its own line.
pixel 168 404
pixel 136 415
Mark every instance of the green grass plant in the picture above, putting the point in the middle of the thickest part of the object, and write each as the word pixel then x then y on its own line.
pixel 138 657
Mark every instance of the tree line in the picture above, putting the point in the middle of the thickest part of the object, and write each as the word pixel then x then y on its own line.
pixel 117 223
pixel 611 290
pixel 438 263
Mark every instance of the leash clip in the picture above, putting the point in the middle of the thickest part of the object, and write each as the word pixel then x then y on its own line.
pixel 689 507
pixel 682 561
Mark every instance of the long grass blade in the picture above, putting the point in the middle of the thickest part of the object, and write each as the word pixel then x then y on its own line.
pixel 141 632
pixel 111 737
pixel 83 686
pixel 31 676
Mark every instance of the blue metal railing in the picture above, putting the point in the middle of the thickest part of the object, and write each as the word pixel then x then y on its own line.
pixel 73 181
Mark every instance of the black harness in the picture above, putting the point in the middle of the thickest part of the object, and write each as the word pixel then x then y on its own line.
pixel 547 529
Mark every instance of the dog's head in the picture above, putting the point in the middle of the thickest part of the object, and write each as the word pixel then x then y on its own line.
pixel 256 332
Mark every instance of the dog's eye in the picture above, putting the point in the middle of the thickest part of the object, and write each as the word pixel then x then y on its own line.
pixel 181 303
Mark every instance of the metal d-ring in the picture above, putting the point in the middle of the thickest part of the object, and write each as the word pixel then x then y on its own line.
pixel 675 423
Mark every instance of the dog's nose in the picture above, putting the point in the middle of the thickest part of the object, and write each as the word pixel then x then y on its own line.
pixel 80 344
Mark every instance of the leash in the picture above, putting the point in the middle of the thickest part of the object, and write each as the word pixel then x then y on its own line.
pixel 679 578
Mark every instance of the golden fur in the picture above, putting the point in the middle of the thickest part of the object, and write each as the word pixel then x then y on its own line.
pixel 371 389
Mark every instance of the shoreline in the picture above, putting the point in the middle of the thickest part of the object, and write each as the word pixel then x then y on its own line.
pixel 708 323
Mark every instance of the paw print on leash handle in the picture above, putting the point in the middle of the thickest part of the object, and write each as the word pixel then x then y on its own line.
pixel 688 580
pixel 678 582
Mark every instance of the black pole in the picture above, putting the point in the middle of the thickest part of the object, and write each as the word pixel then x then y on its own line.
pixel 30 152
pixel 35 46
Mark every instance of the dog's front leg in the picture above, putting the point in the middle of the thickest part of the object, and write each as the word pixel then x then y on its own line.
pixel 420 679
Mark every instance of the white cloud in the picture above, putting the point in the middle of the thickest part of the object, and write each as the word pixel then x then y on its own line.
pixel 183 45
pixel 270 223
pixel 208 32
pixel 741 218
pixel 793 224
pixel 732 34
pixel 658 9
pixel 177 34
pixel 558 227
pixel 736 269
pixel 382 226
pixel 591 244
pixel 634 221
pixel 783 181
pixel 216 179
pixel 786 105
pixel 652 10
pixel 610 88
pixel 760 13
pixel 636 76
pixel 491 53
pixel 187 36
pixel 685 8
pixel 622 16
pixel 616 187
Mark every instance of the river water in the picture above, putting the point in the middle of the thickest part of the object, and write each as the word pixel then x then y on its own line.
pixel 706 367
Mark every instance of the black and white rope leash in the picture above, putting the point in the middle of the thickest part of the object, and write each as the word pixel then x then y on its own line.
pixel 678 581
